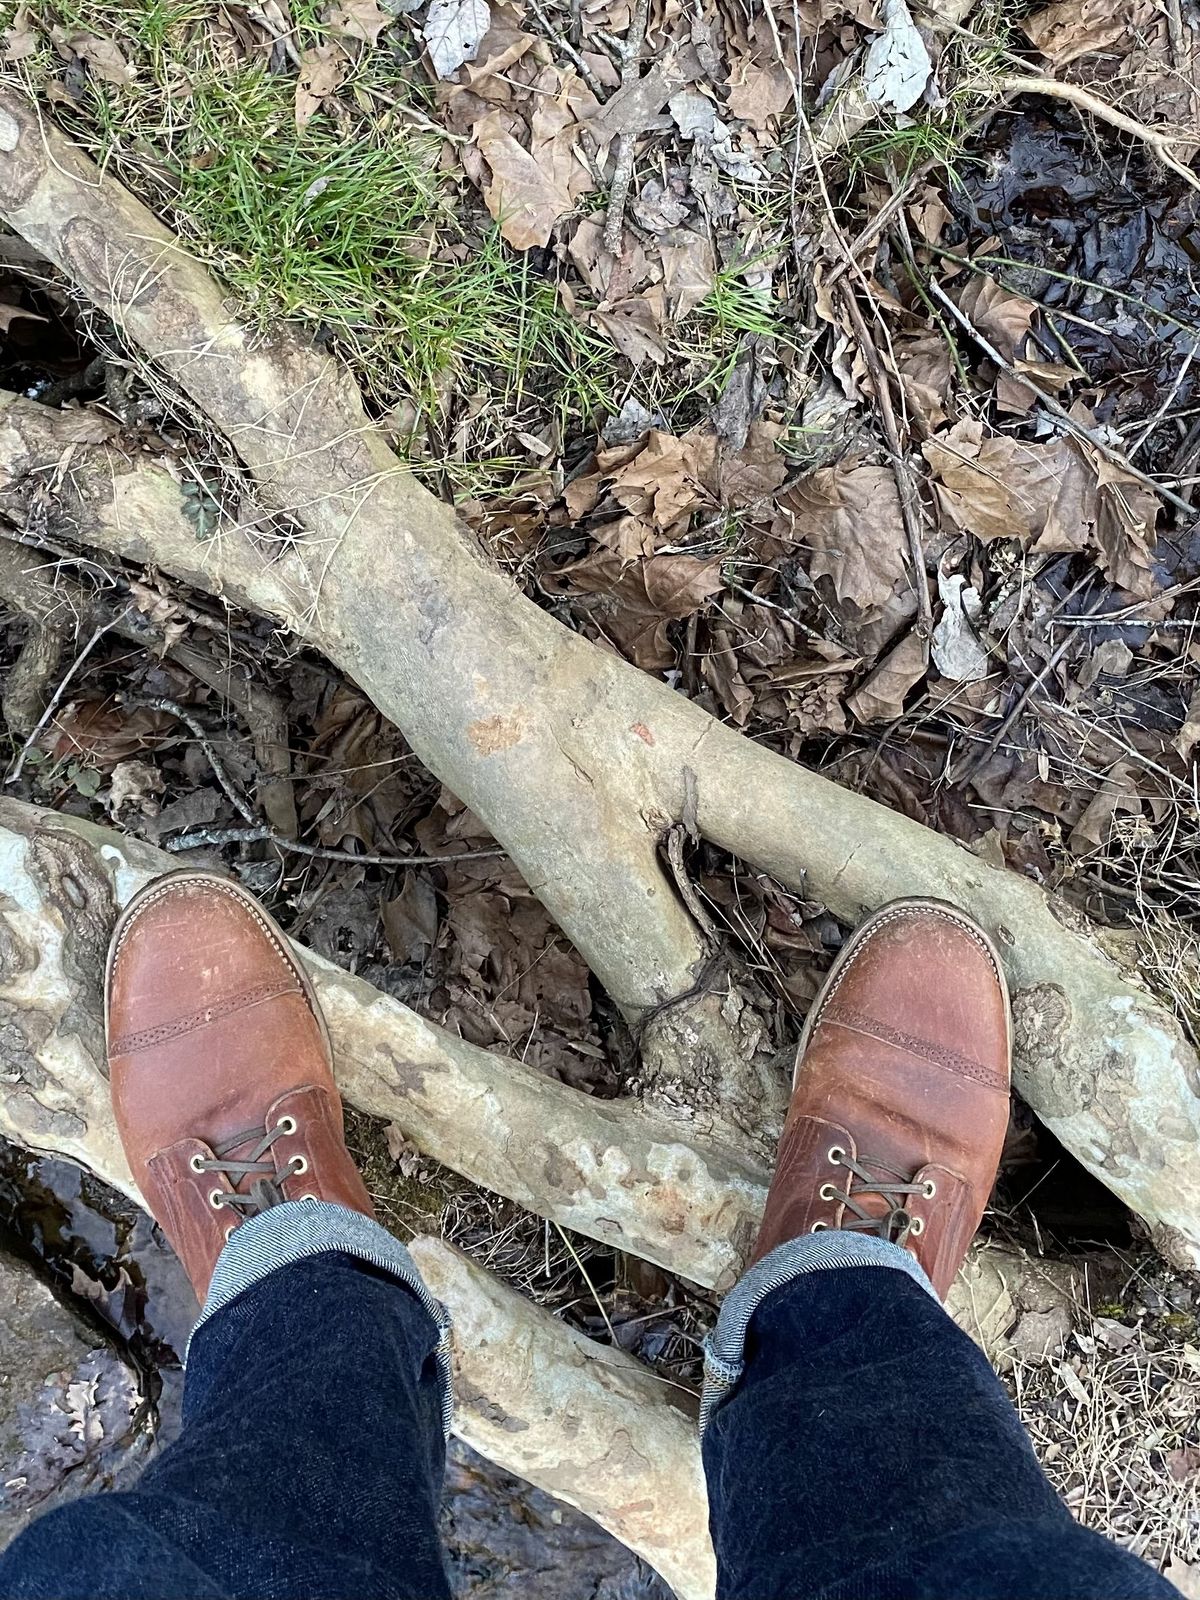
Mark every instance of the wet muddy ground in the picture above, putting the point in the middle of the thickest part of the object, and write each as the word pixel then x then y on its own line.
pixel 108 1261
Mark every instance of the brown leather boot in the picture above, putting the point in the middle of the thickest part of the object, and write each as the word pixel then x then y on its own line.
pixel 900 1098
pixel 220 1066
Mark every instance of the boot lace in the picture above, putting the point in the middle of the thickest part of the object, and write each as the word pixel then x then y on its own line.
pixel 258 1165
pixel 896 1223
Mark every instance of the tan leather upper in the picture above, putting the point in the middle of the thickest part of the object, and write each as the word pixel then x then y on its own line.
pixel 214 1032
pixel 905 1068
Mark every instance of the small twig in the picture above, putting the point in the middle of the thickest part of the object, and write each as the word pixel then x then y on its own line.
pixel 1022 701
pixel 568 50
pixel 1057 409
pixel 55 700
pixel 906 486
pixel 1168 402
pixel 584 1274
pixel 683 883
pixel 716 964
pixel 618 190
pixel 264 831
pixel 256 830
pixel 1084 100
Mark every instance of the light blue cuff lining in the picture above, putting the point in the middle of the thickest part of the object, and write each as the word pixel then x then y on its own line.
pixel 292 1232
pixel 725 1347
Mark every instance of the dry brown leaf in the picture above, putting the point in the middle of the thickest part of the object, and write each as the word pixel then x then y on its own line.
pixel 880 697
pixel 749 478
pixel 531 189
pixel 669 479
pixel 689 270
pixel 1017 398
pixel 758 94
pixel 1125 527
pixel 850 519
pixel 20 38
pixel 635 327
pixel 1056 496
pixel 358 19
pixel 101 733
pixel 1118 792
pixel 643 596
pixel 323 69
pixel 926 373
pixel 1001 317
pixel 524 199
pixel 410 919
pixel 1072 28
pixel 504 44
pixel 1001 488
pixel 104 57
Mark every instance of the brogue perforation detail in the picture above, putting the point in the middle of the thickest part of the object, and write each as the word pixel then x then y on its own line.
pixel 130 1043
pixel 937 1054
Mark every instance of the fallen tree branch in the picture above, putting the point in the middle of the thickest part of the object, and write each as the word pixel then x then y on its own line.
pixel 583 1421
pixel 576 761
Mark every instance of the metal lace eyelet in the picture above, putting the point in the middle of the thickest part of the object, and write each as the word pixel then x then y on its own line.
pixel 826 1192
pixel 916 1225
pixel 286 1125
pixel 216 1198
pixel 230 1231
pixel 818 1227
pixel 836 1153
pixel 930 1189
pixel 297 1166
pixel 197 1163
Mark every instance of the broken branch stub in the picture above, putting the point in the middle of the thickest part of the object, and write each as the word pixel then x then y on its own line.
pixel 573 759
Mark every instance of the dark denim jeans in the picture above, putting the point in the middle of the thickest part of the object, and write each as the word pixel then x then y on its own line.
pixel 867 1451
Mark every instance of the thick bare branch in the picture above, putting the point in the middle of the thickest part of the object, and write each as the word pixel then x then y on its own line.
pixel 583 1421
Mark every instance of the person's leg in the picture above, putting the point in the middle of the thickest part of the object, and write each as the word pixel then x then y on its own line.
pixel 869 1452
pixel 311 1456
pixel 317 1394
pixel 856 1443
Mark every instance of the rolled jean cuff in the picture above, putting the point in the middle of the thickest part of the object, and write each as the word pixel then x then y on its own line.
pixel 725 1347
pixel 291 1232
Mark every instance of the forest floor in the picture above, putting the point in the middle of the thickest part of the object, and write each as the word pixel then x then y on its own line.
pixel 711 318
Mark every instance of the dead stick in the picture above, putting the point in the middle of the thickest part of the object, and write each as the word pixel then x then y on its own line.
pixel 256 830
pixel 55 700
pixel 618 191
pixel 906 486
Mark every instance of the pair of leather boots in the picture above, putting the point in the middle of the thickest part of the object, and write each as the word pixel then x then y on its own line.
pixel 226 1103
